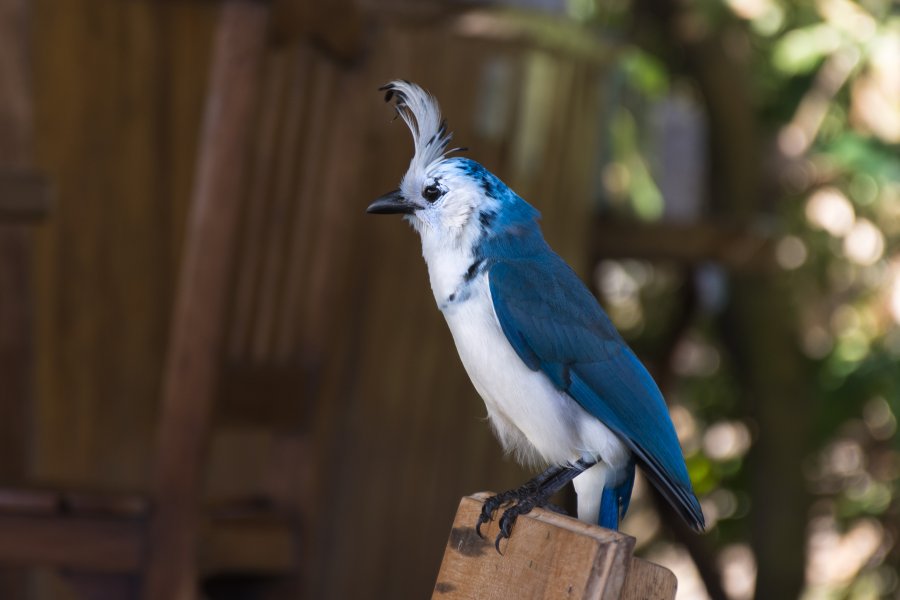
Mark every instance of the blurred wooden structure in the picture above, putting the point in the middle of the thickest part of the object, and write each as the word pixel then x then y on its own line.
pixel 734 247
pixel 320 295
pixel 164 541
pixel 548 556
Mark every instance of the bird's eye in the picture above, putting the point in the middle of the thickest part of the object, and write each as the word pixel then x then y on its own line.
pixel 432 193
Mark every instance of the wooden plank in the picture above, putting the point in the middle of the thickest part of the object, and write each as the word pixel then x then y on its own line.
pixel 91 543
pixel 548 556
pixel 28 501
pixel 50 501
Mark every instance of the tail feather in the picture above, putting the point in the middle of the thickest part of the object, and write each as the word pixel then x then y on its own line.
pixel 615 500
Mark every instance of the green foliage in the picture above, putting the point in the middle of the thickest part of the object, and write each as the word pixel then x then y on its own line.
pixel 803 49
pixel 826 87
pixel 858 154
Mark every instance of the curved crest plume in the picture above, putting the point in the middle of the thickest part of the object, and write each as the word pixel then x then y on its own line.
pixel 421 113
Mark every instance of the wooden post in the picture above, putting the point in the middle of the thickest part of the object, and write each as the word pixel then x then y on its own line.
pixel 548 556
pixel 197 324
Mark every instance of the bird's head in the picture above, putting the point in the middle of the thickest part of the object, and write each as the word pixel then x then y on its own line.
pixel 452 198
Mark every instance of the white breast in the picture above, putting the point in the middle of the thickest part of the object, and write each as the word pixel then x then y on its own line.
pixel 530 416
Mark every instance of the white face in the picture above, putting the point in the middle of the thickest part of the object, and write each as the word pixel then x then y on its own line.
pixel 447 203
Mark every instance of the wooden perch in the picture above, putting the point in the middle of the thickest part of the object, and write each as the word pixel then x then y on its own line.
pixel 548 556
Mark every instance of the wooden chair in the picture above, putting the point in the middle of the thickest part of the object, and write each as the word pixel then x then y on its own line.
pixel 157 546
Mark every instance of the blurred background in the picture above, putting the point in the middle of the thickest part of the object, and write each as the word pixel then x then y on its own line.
pixel 195 310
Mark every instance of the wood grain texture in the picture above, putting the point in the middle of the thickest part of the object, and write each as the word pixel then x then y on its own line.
pixel 548 556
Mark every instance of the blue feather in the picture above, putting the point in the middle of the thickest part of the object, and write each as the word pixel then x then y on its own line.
pixel 556 325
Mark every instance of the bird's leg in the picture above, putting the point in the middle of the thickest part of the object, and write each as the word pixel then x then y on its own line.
pixel 527 490
pixel 552 483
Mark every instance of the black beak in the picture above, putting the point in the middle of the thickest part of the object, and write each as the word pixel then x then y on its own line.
pixel 391 203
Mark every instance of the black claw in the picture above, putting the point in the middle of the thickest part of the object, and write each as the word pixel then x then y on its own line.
pixel 481 521
pixel 506 524
pixel 488 509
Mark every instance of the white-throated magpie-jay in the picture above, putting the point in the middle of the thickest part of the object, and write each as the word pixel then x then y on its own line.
pixel 560 385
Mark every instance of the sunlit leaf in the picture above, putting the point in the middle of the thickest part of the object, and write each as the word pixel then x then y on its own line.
pixel 645 72
pixel 800 50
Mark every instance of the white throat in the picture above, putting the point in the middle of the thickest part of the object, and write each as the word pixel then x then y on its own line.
pixel 450 233
pixel 449 259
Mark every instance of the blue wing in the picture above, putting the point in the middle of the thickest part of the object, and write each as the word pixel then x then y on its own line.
pixel 556 325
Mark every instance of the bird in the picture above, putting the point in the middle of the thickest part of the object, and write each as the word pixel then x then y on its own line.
pixel 561 387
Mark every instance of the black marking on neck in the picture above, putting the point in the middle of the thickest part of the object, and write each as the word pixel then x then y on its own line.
pixel 460 295
pixel 473 270
pixel 464 290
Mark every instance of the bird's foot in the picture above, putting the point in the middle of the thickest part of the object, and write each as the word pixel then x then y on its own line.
pixel 535 493
pixel 492 504
pixel 538 499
